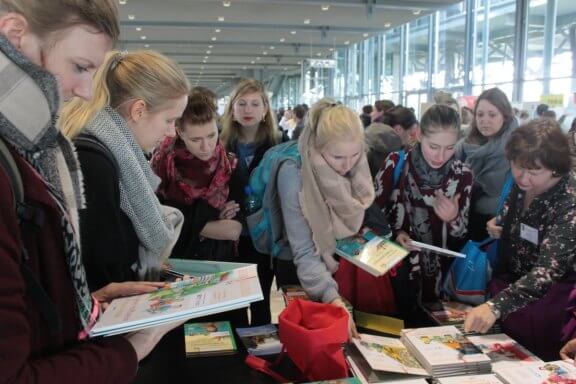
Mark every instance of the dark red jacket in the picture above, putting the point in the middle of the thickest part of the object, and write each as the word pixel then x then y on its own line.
pixel 28 352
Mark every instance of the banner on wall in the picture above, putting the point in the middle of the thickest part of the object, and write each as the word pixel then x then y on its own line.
pixel 553 100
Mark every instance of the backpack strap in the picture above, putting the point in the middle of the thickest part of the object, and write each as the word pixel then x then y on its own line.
pixel 28 218
pixel 398 169
pixel 89 142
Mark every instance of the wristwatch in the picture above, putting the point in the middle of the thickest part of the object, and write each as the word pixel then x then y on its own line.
pixel 495 311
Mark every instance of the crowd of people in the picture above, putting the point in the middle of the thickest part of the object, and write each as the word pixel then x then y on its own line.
pixel 123 166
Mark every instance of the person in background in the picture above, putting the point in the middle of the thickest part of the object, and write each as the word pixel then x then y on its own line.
pixel 196 173
pixel 403 122
pixel 524 117
pixel 249 130
pixel 323 199
pixel 299 116
pixel 446 98
pixel 380 107
pixel 536 274
pixel 127 233
pixel 431 201
pixel 467 116
pixel 365 116
pixel 287 123
pixel 540 109
pixel 483 151
pixel 549 114
pixel 49 51
pixel 380 140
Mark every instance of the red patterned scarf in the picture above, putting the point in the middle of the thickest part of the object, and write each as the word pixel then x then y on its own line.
pixel 186 178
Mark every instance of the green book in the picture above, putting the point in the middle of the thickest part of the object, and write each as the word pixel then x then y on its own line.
pixel 209 339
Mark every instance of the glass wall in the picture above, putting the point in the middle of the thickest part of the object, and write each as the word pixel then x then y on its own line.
pixel 464 49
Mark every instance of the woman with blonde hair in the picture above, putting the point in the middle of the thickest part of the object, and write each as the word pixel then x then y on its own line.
pixel 138 96
pixel 248 130
pixel 323 198
pixel 49 51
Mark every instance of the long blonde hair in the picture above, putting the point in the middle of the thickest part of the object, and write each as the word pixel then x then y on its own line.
pixel 45 17
pixel 140 75
pixel 267 131
pixel 330 121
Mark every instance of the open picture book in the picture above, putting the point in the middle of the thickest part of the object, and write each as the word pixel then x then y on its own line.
pixel 212 287
pixel 374 254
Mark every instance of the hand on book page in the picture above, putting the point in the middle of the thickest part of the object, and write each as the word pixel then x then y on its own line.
pixel 129 288
pixel 406 242
pixel 144 340
pixel 568 350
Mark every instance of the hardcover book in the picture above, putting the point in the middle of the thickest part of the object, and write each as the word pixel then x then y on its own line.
pixel 262 340
pixel 470 379
pixel 209 339
pixel 503 351
pixel 539 373
pixel 371 252
pixel 233 286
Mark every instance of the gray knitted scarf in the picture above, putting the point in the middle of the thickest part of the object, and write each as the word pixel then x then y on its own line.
pixel 137 185
pixel 28 114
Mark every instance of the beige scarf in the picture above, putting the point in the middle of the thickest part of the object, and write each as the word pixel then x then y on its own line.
pixel 332 204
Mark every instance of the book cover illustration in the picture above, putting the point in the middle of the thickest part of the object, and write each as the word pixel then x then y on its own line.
pixel 388 354
pixel 470 379
pixel 195 297
pixel 503 351
pixel 554 372
pixel 262 340
pixel 213 338
pixel 447 312
pixel 370 252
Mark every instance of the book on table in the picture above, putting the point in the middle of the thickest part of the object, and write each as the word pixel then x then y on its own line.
pixel 488 378
pixel 260 341
pixel 370 252
pixel 503 351
pixel 347 380
pixel 539 373
pixel 213 287
pixel 452 313
pixel 209 339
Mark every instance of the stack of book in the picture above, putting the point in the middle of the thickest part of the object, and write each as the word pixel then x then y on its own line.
pixel 209 339
pixel 376 359
pixel 445 351
pixel 214 287
pixel 539 373
pixel 262 340
pixel 470 379
pixel 503 351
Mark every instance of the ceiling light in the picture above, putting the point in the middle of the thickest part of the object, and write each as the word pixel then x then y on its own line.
pixel 210 46
pixel 299 63
pixel 204 61
pixel 220 18
pixel 346 42
pixel 264 53
pixel 214 38
pixel 122 2
pixel 143 37
pixel 138 29
pixel 226 4
pixel 306 21
pixel 208 52
pixel 331 49
pixel 146 45
pixel 272 47
pixel 387 25
pixel 252 62
pixel 325 7
pixel 282 40
pixel 244 68
pixel 205 57
pixel 258 58
pixel 417 11
pixel 365 35
pixel 285 68
pixel 131 17
pixel 319 54
pixel 217 30
pixel 293 32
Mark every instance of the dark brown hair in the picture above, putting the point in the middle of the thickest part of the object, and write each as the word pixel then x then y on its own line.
pixel 399 115
pixel 201 108
pixel 498 99
pixel 540 143
pixel 383 105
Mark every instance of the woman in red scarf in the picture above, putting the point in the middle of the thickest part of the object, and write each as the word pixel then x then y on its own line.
pixel 196 172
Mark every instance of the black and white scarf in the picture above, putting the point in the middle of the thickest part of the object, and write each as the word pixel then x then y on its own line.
pixel 28 114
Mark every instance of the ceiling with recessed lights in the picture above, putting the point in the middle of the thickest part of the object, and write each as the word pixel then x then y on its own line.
pixel 218 42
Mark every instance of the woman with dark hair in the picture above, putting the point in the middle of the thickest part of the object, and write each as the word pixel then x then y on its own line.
pixel 536 270
pixel 403 121
pixel 483 151
pixel 380 107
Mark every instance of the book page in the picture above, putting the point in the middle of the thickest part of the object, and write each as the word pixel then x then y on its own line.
pixel 540 373
pixel 503 351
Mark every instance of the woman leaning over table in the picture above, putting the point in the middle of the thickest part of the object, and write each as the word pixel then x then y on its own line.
pixel 538 244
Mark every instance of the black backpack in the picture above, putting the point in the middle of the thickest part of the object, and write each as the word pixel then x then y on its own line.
pixel 29 218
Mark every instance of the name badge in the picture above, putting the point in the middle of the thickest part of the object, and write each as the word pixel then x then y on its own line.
pixel 529 234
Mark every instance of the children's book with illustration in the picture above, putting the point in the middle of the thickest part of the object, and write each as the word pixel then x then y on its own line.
pixel 539 373
pixel 293 292
pixel 445 351
pixel 388 354
pixel 453 313
pixel 262 340
pixel 503 351
pixel 372 253
pixel 232 286
pixel 209 339
pixel 470 379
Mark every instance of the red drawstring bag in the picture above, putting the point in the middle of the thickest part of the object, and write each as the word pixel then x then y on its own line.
pixel 312 335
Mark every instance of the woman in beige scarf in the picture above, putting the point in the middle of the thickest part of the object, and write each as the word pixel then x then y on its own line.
pixel 323 198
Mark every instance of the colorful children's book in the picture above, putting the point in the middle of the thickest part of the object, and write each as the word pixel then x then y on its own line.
pixel 293 292
pixel 371 252
pixel 262 340
pixel 503 351
pixel 539 373
pixel 447 312
pixel 209 339
pixel 233 286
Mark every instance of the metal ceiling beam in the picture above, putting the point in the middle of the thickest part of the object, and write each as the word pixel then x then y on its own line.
pixel 235 55
pixel 218 42
pixel 258 64
pixel 378 4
